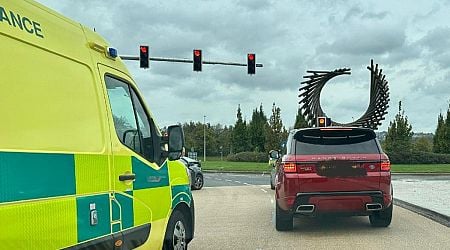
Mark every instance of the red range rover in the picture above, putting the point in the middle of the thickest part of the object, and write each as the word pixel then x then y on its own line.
pixel 333 170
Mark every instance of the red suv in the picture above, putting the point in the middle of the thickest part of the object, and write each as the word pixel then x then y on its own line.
pixel 333 170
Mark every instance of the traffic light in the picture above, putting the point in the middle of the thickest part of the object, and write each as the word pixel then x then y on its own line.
pixel 197 60
pixel 143 56
pixel 251 64
pixel 323 121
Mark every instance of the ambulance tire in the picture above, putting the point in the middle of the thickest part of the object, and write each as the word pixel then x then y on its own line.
pixel 177 232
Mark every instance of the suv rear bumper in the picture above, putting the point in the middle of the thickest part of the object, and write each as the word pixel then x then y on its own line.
pixel 346 202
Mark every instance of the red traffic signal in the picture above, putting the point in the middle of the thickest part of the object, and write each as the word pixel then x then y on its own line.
pixel 197 60
pixel 143 56
pixel 251 64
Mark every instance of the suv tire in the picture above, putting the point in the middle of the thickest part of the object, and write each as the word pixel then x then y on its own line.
pixel 381 218
pixel 284 221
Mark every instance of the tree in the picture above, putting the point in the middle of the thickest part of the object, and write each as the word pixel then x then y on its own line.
pixel 224 140
pixel 446 134
pixel 439 135
pixel 275 132
pixel 218 138
pixel 423 144
pixel 256 130
pixel 399 135
pixel 300 121
pixel 240 139
pixel 193 136
pixel 441 139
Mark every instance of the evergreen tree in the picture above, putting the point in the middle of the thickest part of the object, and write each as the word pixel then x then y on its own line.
pixel 439 135
pixel 399 135
pixel 275 131
pixel 240 140
pixel 300 121
pixel 446 134
pixel 257 127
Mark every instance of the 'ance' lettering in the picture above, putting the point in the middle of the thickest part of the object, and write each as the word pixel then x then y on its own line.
pixel 21 22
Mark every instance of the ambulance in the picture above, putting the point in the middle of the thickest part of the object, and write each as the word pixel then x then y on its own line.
pixel 83 164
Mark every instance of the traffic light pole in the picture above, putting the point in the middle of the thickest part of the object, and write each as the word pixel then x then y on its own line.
pixel 162 59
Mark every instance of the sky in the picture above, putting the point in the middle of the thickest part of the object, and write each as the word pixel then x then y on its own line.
pixel 410 40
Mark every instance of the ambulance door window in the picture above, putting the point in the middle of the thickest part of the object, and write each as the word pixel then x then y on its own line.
pixel 124 117
pixel 144 127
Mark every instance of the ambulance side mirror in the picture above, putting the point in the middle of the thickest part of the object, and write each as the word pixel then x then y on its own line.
pixel 175 141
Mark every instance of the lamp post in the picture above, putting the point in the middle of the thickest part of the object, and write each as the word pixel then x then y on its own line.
pixel 204 138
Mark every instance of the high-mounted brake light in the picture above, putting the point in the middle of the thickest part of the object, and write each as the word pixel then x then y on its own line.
pixel 323 121
pixel 385 166
pixel 290 168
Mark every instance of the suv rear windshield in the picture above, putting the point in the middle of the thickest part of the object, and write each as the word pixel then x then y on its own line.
pixel 325 142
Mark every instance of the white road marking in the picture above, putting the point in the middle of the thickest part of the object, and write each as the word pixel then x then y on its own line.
pixel 218 179
pixel 237 181
pixel 245 183
pixel 263 190
pixel 229 180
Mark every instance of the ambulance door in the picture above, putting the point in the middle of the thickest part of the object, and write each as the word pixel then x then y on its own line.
pixel 141 187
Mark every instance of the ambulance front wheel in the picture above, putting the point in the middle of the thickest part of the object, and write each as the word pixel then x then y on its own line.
pixel 177 232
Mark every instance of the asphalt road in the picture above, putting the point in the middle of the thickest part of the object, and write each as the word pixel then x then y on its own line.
pixel 235 179
pixel 240 216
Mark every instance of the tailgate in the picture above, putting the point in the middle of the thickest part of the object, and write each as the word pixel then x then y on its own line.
pixel 338 159
pixel 342 173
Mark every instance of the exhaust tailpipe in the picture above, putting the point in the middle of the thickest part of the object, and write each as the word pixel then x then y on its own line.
pixel 305 209
pixel 373 206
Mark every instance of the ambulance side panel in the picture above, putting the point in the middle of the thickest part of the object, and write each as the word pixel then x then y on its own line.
pixel 54 165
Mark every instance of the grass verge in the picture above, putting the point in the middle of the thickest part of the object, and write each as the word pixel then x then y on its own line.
pixel 235 166
pixel 217 165
pixel 420 168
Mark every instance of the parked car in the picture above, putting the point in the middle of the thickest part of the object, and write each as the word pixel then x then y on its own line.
pixel 195 169
pixel 333 170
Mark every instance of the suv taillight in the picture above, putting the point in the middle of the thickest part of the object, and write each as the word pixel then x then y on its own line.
pixel 290 167
pixel 385 166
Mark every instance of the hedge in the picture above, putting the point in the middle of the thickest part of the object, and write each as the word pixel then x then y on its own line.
pixel 418 157
pixel 248 157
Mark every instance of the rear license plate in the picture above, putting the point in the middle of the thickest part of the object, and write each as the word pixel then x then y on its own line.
pixel 341 169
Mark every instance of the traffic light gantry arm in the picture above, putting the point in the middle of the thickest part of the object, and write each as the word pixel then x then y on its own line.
pixel 181 60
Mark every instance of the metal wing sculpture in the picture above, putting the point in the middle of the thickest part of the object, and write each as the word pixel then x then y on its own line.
pixel 378 104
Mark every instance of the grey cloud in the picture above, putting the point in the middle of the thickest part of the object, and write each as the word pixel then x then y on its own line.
pixel 375 15
pixel 367 41
pixel 357 12
pixel 354 11
pixel 255 4
pixel 436 42
pixel 422 16
pixel 289 37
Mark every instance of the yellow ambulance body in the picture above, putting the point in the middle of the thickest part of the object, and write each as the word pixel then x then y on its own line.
pixel 82 162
